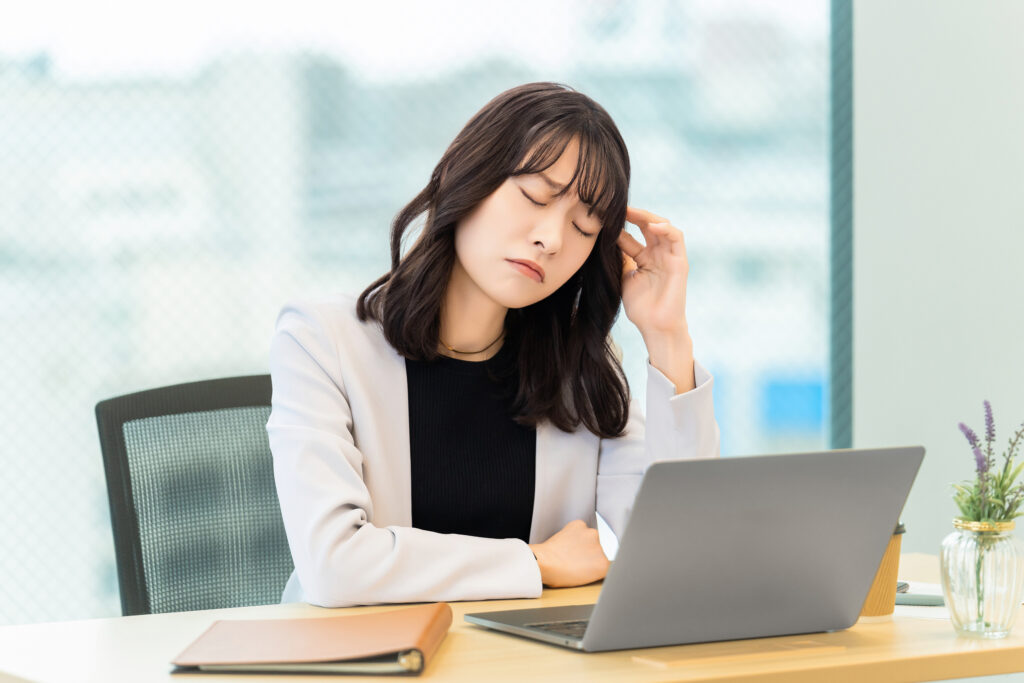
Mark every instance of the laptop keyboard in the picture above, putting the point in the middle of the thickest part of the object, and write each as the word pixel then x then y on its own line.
pixel 573 629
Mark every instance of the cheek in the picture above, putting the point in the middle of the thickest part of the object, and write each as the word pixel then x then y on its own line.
pixel 576 257
pixel 495 220
pixel 471 232
pixel 468 244
pixel 587 247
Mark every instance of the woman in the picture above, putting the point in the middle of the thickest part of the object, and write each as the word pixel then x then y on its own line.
pixel 450 435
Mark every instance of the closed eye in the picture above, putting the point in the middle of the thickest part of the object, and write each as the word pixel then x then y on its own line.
pixel 581 231
pixel 536 203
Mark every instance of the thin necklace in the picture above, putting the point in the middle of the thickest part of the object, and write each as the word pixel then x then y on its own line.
pixel 470 353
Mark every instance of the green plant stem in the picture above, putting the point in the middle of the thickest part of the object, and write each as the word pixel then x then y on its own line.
pixel 978 582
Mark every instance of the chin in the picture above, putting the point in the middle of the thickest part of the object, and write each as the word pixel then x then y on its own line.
pixel 516 299
pixel 520 302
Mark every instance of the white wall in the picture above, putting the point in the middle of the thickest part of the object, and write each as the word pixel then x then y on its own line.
pixel 939 235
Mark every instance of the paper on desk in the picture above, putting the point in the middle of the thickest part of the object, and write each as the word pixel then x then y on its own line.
pixel 924 588
pixel 921 612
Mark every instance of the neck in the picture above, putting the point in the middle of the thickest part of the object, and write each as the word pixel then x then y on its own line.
pixel 470 320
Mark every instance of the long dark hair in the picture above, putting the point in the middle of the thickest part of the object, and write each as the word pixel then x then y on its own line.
pixel 567 372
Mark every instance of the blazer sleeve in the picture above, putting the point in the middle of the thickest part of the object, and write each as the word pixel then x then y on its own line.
pixel 341 557
pixel 677 427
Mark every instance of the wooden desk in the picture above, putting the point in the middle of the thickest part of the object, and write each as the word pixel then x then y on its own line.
pixel 139 648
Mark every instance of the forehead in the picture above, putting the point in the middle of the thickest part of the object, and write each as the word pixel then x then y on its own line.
pixel 574 166
pixel 560 172
pixel 564 167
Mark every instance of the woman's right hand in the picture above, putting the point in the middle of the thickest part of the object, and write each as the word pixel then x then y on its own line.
pixel 572 557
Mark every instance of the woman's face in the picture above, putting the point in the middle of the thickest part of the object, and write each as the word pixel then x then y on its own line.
pixel 522 243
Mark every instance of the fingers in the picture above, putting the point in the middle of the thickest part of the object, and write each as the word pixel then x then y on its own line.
pixel 655 230
pixel 656 235
pixel 672 235
pixel 629 266
pixel 648 223
pixel 574 531
pixel 572 556
pixel 642 217
pixel 629 244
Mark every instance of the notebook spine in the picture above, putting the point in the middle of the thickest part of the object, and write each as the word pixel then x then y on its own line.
pixel 436 631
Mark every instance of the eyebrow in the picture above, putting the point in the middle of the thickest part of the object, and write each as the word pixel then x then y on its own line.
pixel 556 188
pixel 551 183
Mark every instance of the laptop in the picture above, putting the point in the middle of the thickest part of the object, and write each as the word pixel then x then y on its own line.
pixel 736 548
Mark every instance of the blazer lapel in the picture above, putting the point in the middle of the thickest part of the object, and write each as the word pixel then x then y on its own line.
pixel 566 476
pixel 380 403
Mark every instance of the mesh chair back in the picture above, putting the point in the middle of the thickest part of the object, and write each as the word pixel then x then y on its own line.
pixel 196 520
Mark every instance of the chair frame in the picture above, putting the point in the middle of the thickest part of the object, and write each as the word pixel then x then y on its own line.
pixel 111 415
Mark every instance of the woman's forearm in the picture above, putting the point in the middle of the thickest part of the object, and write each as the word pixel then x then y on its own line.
pixel 672 355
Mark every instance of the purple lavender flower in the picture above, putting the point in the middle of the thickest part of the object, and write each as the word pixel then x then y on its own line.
pixel 990 425
pixel 972 438
pixel 980 460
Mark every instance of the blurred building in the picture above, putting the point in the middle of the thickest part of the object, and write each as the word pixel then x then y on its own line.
pixel 150 229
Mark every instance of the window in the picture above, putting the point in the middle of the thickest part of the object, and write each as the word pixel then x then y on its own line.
pixel 161 205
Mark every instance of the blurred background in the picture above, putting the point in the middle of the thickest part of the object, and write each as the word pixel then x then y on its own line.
pixel 171 176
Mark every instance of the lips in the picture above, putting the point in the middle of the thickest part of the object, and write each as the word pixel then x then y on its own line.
pixel 528 268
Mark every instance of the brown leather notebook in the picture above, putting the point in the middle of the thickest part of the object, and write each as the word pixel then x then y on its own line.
pixel 396 641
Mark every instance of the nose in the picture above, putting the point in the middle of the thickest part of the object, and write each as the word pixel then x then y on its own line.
pixel 547 234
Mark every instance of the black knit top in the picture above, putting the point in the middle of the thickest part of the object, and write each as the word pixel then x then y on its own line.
pixel 472 466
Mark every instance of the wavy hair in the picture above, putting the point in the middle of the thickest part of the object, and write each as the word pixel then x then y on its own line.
pixel 566 370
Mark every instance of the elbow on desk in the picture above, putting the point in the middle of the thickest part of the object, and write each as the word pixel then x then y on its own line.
pixel 325 596
pixel 347 573
pixel 327 587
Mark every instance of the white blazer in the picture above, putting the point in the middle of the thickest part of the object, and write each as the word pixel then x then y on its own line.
pixel 339 433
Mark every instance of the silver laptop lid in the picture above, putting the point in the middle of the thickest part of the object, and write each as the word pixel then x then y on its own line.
pixel 751 547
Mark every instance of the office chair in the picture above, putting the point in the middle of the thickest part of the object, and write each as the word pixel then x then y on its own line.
pixel 196 520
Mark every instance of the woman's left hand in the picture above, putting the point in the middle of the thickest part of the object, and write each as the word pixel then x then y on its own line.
pixel 654 275
pixel 654 294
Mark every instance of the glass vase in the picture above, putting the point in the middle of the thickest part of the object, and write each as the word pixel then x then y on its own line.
pixel 982 567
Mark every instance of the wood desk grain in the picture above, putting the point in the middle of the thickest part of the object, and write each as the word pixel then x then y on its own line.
pixel 139 648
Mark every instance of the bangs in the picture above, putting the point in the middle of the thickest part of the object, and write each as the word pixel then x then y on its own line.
pixel 599 178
